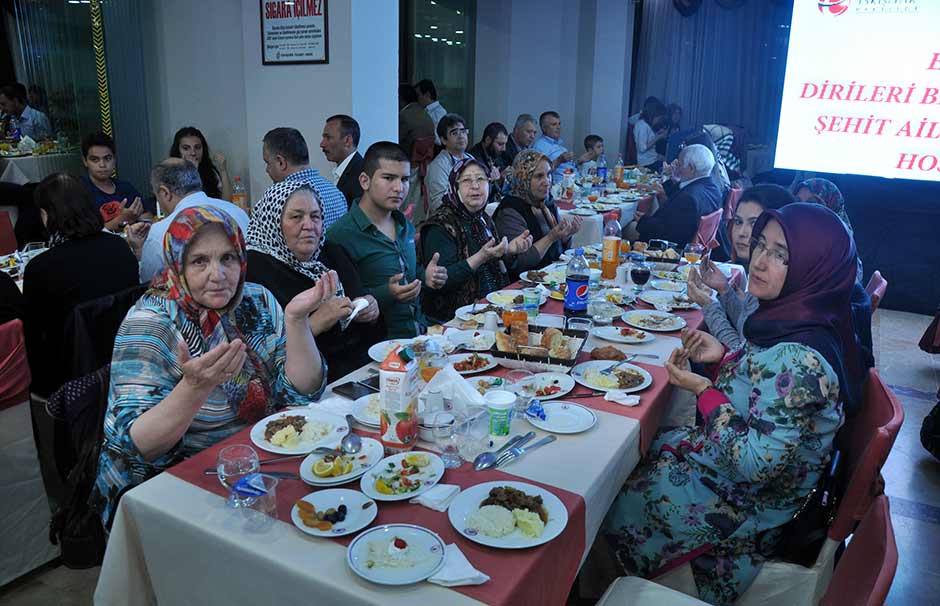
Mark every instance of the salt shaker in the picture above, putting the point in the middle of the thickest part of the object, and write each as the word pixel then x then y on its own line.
pixel 491 321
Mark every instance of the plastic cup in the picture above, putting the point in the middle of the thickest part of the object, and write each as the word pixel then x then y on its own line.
pixel 499 404
pixel 261 511
pixel 531 298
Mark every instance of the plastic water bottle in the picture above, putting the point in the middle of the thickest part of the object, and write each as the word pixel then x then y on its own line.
pixel 240 195
pixel 576 280
pixel 610 257
pixel 602 168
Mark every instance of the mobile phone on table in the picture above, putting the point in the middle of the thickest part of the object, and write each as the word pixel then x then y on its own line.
pixel 357 389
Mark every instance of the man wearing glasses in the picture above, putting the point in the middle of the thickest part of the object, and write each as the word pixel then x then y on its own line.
pixel 452 129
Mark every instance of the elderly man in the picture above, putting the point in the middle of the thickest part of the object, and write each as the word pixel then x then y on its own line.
pixel 523 134
pixel 339 143
pixel 452 129
pixel 177 186
pixel 551 144
pixel 697 195
pixel 286 158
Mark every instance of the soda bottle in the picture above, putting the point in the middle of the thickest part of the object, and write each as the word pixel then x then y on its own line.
pixel 13 130
pixel 610 257
pixel 240 195
pixel 576 280
pixel 618 169
pixel 602 168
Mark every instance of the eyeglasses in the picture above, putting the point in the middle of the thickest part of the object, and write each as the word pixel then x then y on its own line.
pixel 472 181
pixel 759 246
pixel 457 131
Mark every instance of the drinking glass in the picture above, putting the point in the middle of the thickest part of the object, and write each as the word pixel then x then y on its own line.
pixel 234 463
pixel 446 429
pixel 474 433
pixel 516 381
pixel 261 512
pixel 693 252
pixel 639 275
pixel 585 324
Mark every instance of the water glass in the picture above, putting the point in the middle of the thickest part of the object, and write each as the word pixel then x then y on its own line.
pixel 516 380
pixel 446 426
pixel 693 252
pixel 474 433
pixel 260 512
pixel 585 324
pixel 234 463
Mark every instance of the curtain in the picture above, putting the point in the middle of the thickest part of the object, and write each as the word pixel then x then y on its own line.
pixel 723 66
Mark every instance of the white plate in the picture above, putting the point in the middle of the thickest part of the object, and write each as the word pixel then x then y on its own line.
pixel 669 275
pixel 564 417
pixel 465 314
pixel 361 413
pixel 338 429
pixel 612 333
pixel 429 477
pixel 544 379
pixel 554 273
pixel 371 453
pixel 380 350
pixel 471 340
pixel 589 252
pixel 489 380
pixel 357 518
pixel 625 295
pixel 579 374
pixel 420 541
pixel 504 298
pixel 634 319
pixel 582 211
pixel 667 285
pixel 490 362
pixel 468 502
pixel 662 297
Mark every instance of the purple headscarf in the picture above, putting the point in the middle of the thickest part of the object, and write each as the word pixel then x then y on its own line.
pixel 813 307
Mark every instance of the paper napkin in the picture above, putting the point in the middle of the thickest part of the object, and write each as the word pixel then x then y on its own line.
pixel 457 570
pixel 438 498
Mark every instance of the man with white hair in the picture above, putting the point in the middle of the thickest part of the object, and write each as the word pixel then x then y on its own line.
pixel 676 218
pixel 523 134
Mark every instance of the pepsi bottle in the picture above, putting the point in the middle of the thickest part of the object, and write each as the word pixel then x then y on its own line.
pixel 576 281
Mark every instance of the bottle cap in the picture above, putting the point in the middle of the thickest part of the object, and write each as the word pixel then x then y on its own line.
pixel 579 251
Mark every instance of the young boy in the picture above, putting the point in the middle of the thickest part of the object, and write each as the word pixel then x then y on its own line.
pixel 112 196
pixel 593 149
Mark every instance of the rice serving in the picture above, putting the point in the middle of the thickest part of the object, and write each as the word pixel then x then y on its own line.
pixel 493 521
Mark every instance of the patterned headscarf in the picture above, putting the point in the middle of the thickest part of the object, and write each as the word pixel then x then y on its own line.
pixel 250 390
pixel 523 167
pixel 826 193
pixel 265 234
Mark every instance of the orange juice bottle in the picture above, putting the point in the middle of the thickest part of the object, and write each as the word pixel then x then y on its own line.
pixel 610 257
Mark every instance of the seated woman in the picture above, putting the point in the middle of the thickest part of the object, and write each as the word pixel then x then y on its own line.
pixel 190 144
pixel 470 245
pixel 529 207
pixel 725 315
pixel 83 263
pixel 704 494
pixel 825 192
pixel 202 355
pixel 288 253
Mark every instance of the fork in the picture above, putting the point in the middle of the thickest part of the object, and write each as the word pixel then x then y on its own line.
pixel 515 452
pixel 610 369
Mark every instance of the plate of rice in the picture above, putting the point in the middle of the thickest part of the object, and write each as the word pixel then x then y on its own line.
pixel 508 515
pixel 298 431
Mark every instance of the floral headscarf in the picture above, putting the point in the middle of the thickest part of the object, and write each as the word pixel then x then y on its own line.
pixel 523 167
pixel 826 193
pixel 250 390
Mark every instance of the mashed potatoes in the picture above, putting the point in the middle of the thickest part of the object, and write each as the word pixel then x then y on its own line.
pixel 528 522
pixel 313 431
pixel 493 521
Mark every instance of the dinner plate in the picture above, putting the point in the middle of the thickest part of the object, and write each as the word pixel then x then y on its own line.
pixel 505 298
pixel 334 428
pixel 471 340
pixel 490 381
pixel 564 417
pixel 669 322
pixel 583 212
pixel 589 251
pixel 468 502
pixel 662 297
pixel 554 273
pixel 613 333
pixel 490 362
pixel 548 379
pixel 371 453
pixel 357 518
pixel 429 476
pixel 380 350
pixel 669 275
pixel 668 285
pixel 583 373
pixel 424 545
pixel 557 294
pixel 361 412
pixel 466 313
pixel 625 296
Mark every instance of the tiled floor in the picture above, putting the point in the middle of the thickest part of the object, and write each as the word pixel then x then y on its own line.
pixel 912 479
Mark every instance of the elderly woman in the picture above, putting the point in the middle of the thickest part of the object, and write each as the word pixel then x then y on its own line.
pixel 529 207
pixel 288 253
pixel 705 494
pixel 201 356
pixel 825 192
pixel 471 247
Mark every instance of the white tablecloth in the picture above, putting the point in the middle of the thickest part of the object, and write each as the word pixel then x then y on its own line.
pixel 174 543
pixel 32 169
pixel 592 227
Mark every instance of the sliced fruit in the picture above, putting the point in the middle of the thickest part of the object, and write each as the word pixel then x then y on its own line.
pixel 306 507
pixel 418 459
pixel 382 488
pixel 322 468
pixel 347 468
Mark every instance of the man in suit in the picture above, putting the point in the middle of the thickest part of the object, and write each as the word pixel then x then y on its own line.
pixel 677 215
pixel 339 143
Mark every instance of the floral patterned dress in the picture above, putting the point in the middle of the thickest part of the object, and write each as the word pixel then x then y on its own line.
pixel 706 493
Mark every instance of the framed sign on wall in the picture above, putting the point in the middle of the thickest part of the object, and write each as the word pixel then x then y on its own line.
pixel 295 32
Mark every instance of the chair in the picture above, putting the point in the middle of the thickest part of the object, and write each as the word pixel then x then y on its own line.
pixel 630 157
pixel 876 288
pixel 708 228
pixel 7 235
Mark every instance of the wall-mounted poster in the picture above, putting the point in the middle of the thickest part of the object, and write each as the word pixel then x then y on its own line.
pixel 294 32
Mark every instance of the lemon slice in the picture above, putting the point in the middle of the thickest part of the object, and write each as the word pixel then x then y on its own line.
pixel 418 460
pixel 382 487
pixel 347 468
pixel 337 467
pixel 322 468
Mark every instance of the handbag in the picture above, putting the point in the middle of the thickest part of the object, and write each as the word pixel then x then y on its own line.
pixel 930 342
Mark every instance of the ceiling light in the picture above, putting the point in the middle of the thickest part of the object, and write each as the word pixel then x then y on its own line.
pixel 433 27
pixel 417 35
pixel 433 39
pixel 459 31
pixel 450 43
pixel 458 12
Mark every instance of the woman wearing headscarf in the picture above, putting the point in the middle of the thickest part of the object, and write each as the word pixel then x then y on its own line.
pixel 288 254
pixel 706 494
pixel 471 246
pixel 529 207
pixel 825 192
pixel 202 355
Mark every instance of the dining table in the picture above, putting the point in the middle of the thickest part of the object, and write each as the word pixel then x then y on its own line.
pixel 174 541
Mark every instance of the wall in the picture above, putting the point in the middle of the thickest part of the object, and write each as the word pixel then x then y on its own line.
pixel 204 68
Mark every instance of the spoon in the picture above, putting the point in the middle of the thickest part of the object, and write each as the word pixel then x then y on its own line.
pixel 351 443
pixel 485 460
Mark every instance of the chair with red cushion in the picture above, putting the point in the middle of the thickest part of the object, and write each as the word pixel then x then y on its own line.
pixel 7 235
pixel 876 288
pixel 708 229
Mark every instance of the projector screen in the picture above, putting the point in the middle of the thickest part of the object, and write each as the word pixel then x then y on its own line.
pixel 862 89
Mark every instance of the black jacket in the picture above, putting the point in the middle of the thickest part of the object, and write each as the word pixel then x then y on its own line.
pixel 677 220
pixel 349 181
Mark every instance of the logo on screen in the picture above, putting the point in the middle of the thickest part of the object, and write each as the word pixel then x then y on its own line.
pixel 833 7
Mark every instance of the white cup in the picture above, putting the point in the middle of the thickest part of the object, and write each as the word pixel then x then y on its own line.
pixel 499 404
pixel 491 321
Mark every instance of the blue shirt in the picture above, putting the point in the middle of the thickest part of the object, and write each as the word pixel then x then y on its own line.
pixel 151 256
pixel 34 124
pixel 122 191
pixel 553 148
pixel 332 199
